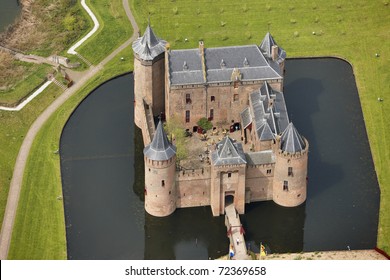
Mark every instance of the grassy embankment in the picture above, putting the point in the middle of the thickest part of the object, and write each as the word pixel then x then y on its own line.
pixel 43 30
pixel 355 31
pixel 39 231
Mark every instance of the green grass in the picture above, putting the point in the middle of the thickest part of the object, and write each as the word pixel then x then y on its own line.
pixel 354 30
pixel 114 30
pixel 35 76
pixel 39 230
pixel 13 128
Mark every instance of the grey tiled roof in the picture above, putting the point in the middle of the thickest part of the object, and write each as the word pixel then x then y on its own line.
pixel 264 132
pixel 263 157
pixel 219 65
pixel 246 118
pixel 269 119
pixel 228 153
pixel 291 141
pixel 266 48
pixel 149 45
pixel 160 148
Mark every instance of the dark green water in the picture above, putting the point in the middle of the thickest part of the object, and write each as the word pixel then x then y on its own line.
pixel 102 173
pixel 9 10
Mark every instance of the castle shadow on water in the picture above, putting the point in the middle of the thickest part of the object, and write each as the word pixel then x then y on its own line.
pixel 227 84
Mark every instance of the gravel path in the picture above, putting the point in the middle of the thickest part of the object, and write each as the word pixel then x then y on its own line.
pixel 17 178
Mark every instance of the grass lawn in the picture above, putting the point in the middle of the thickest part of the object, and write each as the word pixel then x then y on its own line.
pixel 114 29
pixel 39 230
pixel 354 30
pixel 13 128
pixel 35 75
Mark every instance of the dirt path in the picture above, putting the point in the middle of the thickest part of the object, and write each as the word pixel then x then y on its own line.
pixel 17 178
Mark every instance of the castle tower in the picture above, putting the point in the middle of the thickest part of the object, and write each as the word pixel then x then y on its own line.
pixel 160 167
pixel 228 167
pixel 290 174
pixel 273 52
pixel 149 71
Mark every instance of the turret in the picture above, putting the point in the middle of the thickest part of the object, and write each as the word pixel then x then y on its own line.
pixel 290 175
pixel 160 167
pixel 272 51
pixel 228 167
pixel 149 71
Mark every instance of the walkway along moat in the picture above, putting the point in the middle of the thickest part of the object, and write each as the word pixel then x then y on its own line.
pixel 102 172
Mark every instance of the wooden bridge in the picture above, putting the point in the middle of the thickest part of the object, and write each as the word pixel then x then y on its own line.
pixel 235 233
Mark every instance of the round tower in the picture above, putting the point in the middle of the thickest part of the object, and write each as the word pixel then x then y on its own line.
pixel 160 167
pixel 149 69
pixel 290 174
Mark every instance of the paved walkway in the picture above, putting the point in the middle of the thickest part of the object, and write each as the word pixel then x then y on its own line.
pixel 72 49
pixel 17 178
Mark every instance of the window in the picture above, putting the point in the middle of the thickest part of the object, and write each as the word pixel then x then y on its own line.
pixel 187 116
pixel 212 98
pixel 211 115
pixel 285 185
pixel 235 97
pixel 269 171
pixel 290 172
pixel 162 183
pixel 235 84
pixel 188 98
pixel 229 175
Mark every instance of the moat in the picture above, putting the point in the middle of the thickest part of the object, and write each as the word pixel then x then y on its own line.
pixel 10 9
pixel 103 174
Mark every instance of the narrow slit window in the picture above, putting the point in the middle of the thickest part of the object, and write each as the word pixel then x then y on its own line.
pixel 285 185
pixel 188 98
pixel 187 116
pixel 162 183
pixel 290 171
pixel 212 98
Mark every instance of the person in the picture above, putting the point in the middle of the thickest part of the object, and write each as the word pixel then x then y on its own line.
pixel 231 252
pixel 238 241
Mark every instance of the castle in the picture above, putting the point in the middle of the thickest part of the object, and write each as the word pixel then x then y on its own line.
pixel 241 85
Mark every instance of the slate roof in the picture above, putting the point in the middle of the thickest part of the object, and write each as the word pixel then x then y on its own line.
pixel 263 157
pixel 219 65
pixel 291 141
pixel 160 148
pixel 266 48
pixel 269 120
pixel 149 46
pixel 228 153
pixel 246 118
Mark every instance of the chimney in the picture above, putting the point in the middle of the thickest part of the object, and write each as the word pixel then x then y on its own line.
pixel 201 52
pixel 274 52
pixel 201 47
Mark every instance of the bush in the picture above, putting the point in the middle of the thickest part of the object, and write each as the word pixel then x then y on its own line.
pixel 205 124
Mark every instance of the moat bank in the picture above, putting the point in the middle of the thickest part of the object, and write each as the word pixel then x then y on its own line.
pixel 102 171
pixel 10 9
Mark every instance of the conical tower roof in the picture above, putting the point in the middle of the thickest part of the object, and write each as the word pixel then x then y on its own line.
pixel 149 45
pixel 266 47
pixel 228 153
pixel 160 148
pixel 291 141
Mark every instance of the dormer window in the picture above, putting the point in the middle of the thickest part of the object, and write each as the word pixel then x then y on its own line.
pixel 246 63
pixel 185 66
pixel 223 64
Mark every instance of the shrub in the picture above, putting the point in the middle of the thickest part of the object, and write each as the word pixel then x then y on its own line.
pixel 205 124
